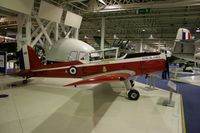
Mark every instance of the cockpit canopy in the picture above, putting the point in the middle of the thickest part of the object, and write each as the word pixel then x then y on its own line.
pixel 98 55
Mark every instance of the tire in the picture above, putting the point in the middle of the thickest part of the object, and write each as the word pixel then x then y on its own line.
pixel 25 81
pixel 133 94
pixel 72 70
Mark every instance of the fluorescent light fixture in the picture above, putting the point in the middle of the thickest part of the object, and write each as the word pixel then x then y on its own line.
pixel 143 30
pixel 85 37
pixel 2 19
pixel 193 37
pixel 115 36
pixel 151 37
pixel 102 1
pixel 198 30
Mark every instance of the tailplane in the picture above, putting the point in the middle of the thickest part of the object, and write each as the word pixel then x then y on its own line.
pixel 28 59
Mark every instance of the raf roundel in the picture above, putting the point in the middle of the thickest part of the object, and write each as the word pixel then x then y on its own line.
pixel 72 70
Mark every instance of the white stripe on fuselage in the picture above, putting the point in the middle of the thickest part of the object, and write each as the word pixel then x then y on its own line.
pixel 121 61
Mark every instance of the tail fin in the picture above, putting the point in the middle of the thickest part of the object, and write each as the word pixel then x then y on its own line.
pixel 28 59
pixel 183 34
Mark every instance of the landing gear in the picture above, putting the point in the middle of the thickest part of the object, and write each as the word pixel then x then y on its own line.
pixel 131 92
pixel 132 83
pixel 25 81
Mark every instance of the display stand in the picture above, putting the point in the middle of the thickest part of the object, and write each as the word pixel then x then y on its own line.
pixel 169 102
pixel 2 87
pixel 3 70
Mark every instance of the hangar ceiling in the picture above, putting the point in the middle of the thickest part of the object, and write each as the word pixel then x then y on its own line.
pixel 127 19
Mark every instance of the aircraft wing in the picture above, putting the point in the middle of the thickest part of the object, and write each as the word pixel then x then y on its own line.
pixel 187 57
pixel 101 79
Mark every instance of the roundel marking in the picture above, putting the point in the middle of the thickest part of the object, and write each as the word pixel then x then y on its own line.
pixel 72 70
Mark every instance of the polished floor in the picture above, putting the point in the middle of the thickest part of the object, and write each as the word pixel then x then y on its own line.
pixel 45 106
pixel 194 80
pixel 189 88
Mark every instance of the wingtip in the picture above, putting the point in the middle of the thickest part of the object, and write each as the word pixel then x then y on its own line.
pixel 70 85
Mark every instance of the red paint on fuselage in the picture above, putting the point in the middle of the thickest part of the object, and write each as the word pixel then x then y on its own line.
pixel 139 67
pixel 135 66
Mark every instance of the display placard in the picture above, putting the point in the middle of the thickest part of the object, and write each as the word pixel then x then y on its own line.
pixel 3 61
pixel 172 85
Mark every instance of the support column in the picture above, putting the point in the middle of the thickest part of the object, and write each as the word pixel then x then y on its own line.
pixel 20 21
pixel 141 49
pixel 56 32
pixel 28 30
pixel 159 45
pixel 76 34
pixel 102 33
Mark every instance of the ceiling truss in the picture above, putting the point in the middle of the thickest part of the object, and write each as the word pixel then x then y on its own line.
pixel 127 19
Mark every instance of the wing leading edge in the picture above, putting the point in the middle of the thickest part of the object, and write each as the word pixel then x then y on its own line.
pixel 102 79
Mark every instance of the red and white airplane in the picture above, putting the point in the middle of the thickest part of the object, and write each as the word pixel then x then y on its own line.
pixel 95 67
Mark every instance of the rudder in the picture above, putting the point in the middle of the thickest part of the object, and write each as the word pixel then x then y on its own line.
pixel 183 34
pixel 28 59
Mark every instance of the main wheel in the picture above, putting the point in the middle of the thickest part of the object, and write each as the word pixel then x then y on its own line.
pixel 25 81
pixel 133 94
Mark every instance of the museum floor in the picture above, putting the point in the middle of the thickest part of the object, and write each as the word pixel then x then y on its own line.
pixel 45 106
pixel 188 86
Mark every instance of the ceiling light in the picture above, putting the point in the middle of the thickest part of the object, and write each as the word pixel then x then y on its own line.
pixel 85 37
pixel 2 19
pixel 198 30
pixel 102 2
pixel 115 36
pixel 151 37
pixel 193 37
